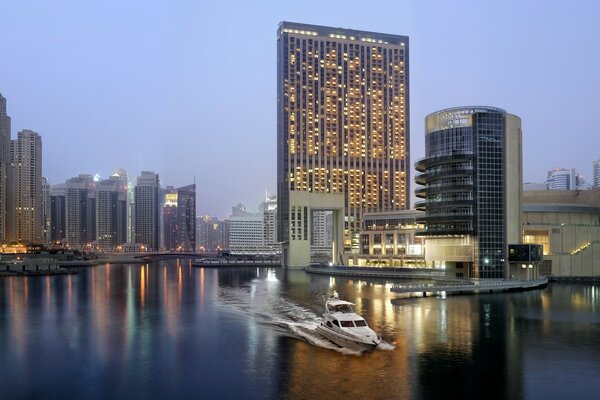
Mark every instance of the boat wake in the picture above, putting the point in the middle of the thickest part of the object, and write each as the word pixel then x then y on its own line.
pixel 287 318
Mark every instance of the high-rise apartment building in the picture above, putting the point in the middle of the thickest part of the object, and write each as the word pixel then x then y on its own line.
pixel 472 189
pixel 169 218
pixel 343 120
pixel 147 210
pixel 213 235
pixel 111 205
pixel 186 218
pixel 26 203
pixel 46 203
pixel 80 212
pixel 5 167
pixel 58 217
pixel 122 174
pixel 179 218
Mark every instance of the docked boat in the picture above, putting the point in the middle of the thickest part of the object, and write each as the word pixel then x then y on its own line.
pixel 342 326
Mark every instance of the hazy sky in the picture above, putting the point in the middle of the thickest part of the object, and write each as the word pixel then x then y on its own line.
pixel 188 88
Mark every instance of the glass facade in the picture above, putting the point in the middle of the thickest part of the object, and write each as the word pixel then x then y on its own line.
pixel 463 183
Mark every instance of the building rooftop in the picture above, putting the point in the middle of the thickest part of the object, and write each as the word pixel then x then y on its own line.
pixel 340 33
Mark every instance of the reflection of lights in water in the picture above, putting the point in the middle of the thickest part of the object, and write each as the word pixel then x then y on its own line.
pixel 201 286
pixel 331 281
pixel 271 276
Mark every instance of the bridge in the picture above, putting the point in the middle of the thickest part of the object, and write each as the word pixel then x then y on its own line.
pixel 166 255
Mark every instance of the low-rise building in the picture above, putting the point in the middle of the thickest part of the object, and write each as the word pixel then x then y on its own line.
pixel 567 224
pixel 390 239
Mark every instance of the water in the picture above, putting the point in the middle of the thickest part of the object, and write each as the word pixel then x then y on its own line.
pixel 168 330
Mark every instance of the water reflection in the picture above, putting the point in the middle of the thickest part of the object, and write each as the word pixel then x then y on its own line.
pixel 167 329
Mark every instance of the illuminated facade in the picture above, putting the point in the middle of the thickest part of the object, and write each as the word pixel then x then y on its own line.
pixel 472 189
pixel 389 239
pixel 343 121
pixel 26 201
pixel 169 218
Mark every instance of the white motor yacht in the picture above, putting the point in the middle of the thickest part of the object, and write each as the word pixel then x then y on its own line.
pixel 342 326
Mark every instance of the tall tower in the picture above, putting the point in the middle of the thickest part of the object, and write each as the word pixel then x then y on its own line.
pixel 472 189
pixel 26 159
pixel 342 121
pixel 147 210
pixel 111 203
pixel 186 218
pixel 169 218
pixel 80 211
pixel 46 203
pixel 4 168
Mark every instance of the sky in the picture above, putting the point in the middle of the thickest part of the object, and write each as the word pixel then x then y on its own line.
pixel 188 88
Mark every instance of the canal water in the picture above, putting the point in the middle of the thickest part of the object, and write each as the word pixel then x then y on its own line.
pixel 169 330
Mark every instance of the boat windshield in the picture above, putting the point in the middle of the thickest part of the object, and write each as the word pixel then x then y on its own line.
pixel 341 308
pixel 347 324
pixel 360 322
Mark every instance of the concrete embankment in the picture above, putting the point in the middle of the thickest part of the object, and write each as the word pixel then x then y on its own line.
pixel 572 279
pixel 235 263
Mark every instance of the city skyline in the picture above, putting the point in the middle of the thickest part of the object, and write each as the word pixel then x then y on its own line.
pixel 82 86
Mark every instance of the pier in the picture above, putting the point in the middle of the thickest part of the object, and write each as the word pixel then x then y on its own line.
pixel 492 285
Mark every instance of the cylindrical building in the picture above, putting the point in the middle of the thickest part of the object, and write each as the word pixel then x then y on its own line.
pixel 471 179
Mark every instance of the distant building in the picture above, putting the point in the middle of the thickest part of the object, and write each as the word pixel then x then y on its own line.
pixel 58 217
pixel 253 233
pixel 213 235
pixel 5 168
pixel 564 179
pixel 122 174
pixel 45 211
pixel 111 203
pixel 472 191
pixel 26 209
pixel 597 174
pixel 186 218
pixel 80 212
pixel 169 218
pixel 147 210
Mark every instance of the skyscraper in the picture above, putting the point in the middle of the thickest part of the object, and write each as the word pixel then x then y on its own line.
pixel 186 218
pixel 80 211
pixel 58 217
pixel 4 168
pixel 26 160
pixel 472 185
pixel 147 210
pixel 169 218
pixel 111 204
pixel 45 211
pixel 342 120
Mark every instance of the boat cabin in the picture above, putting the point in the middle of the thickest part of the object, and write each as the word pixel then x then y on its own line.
pixel 343 307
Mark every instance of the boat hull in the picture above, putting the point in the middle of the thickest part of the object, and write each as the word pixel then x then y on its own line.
pixel 345 340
